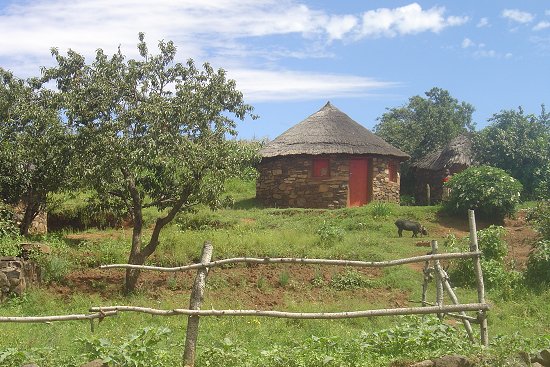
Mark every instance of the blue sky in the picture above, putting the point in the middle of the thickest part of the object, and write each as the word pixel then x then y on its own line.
pixel 290 57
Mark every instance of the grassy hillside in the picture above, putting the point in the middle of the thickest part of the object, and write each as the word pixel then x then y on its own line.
pixel 73 284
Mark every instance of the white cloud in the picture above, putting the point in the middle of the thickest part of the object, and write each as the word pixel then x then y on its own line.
pixel 518 15
pixel 483 22
pixel 338 26
pixel 467 43
pixel 479 50
pixel 409 19
pixel 212 30
pixel 541 25
pixel 262 85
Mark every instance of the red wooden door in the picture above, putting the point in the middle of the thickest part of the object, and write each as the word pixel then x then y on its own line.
pixel 358 186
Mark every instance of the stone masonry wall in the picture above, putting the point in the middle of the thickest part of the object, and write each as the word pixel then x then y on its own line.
pixel 287 182
pixel 383 189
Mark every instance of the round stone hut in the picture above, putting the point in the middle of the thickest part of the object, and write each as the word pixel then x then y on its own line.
pixel 328 161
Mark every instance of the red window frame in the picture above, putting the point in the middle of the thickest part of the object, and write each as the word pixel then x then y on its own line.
pixel 392 171
pixel 321 167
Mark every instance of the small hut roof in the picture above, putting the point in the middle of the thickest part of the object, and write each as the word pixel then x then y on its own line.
pixel 458 151
pixel 329 131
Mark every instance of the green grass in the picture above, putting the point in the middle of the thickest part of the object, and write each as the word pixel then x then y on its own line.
pixel 246 229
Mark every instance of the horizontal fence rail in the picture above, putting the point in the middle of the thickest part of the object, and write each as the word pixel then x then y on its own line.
pixel 30 319
pixel 301 315
pixel 284 260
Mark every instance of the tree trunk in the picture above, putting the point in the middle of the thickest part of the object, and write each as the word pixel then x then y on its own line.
pixel 136 258
pixel 31 210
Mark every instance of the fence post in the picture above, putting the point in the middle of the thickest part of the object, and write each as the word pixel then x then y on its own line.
pixel 454 299
pixel 195 304
pixel 481 315
pixel 427 273
pixel 428 195
pixel 438 281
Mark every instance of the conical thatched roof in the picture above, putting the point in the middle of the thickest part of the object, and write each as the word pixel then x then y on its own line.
pixel 329 131
pixel 458 151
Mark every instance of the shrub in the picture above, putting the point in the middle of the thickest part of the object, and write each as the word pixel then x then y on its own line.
pixel 330 233
pixel 494 250
pixel 539 217
pixel 9 246
pixel 380 209
pixel 7 221
pixel 54 268
pixel 490 191
pixel 139 349
pixel 538 264
pixel 350 279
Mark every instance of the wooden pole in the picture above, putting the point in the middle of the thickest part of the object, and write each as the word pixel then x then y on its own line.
pixel 438 281
pixel 474 247
pixel 197 295
pixel 428 195
pixel 454 298
pixel 47 319
pixel 427 276
pixel 302 315
pixel 303 261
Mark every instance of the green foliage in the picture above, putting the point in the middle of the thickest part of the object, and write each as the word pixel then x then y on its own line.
pixel 350 279
pixel 139 349
pixel 380 209
pixel 7 221
pixel 15 357
pixel 520 145
pixel 9 246
pixel 202 220
pixel 490 191
pixel 54 268
pixel 539 217
pixel 414 337
pixel 35 146
pixel 284 278
pixel 538 265
pixel 329 233
pixel 491 243
pixel 151 132
pixel 225 353
pixel 494 249
pixel 425 124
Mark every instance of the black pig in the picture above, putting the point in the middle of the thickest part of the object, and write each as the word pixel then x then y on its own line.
pixel 409 225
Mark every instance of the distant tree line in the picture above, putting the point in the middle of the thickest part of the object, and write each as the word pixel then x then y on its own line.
pixel 513 141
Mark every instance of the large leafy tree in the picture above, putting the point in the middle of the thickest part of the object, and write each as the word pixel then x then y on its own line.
pixel 518 143
pixel 425 123
pixel 150 132
pixel 35 146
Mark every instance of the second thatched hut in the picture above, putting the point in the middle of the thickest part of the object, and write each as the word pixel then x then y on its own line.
pixel 328 161
pixel 430 171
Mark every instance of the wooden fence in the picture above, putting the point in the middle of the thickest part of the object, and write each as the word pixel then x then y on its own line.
pixel 432 268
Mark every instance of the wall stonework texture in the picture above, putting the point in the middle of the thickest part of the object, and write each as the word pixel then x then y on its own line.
pixel 12 276
pixel 288 182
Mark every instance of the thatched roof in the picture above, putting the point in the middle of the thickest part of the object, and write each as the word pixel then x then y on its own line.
pixel 329 131
pixel 458 151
